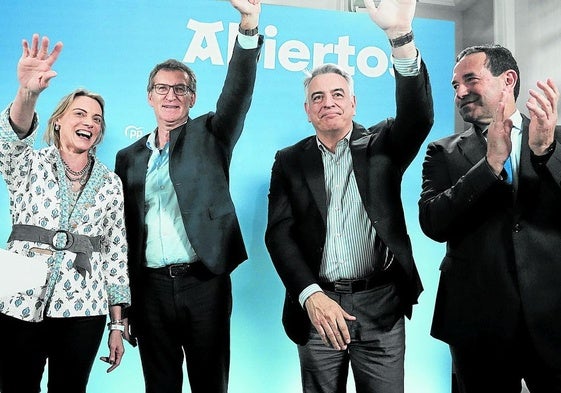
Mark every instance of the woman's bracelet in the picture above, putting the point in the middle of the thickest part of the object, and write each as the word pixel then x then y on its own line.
pixel 116 325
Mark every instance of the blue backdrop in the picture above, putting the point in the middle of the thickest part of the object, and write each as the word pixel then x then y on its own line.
pixel 111 47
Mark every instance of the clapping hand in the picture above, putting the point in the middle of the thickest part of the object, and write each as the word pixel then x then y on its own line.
pixel 543 116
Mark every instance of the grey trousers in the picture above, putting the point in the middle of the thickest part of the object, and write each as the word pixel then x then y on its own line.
pixel 376 356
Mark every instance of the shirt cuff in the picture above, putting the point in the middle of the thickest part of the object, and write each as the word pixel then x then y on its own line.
pixel 307 292
pixel 408 67
pixel 248 42
pixel 541 160
pixel 119 294
pixel 501 176
pixel 7 131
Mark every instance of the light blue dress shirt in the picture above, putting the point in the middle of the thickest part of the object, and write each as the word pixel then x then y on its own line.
pixel 167 242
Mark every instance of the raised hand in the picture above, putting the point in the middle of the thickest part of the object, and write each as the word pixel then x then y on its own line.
pixel 499 144
pixel 543 116
pixel 392 16
pixel 247 7
pixel 249 10
pixel 35 65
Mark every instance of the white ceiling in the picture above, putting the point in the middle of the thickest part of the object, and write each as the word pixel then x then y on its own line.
pixel 452 5
pixel 458 4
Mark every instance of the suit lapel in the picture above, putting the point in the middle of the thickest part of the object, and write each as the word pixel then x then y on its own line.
pixel 358 148
pixel 138 175
pixel 472 146
pixel 175 134
pixel 312 167
pixel 524 148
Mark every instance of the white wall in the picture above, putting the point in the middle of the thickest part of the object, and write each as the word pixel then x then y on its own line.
pixel 537 30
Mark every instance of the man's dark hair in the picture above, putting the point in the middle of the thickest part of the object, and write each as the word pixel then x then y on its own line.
pixel 173 65
pixel 499 60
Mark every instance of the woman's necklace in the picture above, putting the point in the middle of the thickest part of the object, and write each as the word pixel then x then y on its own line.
pixel 77 178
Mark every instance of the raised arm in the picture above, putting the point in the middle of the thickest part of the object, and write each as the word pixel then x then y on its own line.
pixel 235 99
pixel 34 74
pixel 414 105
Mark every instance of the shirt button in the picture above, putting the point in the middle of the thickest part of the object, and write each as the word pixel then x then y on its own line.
pixel 517 228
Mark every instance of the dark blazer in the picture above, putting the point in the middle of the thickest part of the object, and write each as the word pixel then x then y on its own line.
pixel 200 154
pixel 297 217
pixel 503 255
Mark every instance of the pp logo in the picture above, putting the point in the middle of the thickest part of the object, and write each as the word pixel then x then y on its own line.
pixel 133 132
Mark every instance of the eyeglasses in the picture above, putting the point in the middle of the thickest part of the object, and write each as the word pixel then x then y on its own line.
pixel 179 90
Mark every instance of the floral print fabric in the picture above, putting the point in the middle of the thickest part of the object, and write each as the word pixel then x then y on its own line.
pixel 40 195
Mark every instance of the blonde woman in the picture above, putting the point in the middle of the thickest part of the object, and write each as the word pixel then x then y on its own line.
pixel 67 212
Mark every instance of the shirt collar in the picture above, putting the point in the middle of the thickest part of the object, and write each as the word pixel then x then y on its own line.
pixel 151 141
pixel 516 118
pixel 322 147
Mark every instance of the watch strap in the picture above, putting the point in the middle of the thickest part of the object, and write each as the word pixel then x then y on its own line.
pixel 401 40
pixel 248 32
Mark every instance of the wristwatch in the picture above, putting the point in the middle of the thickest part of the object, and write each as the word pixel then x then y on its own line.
pixel 401 40
pixel 250 32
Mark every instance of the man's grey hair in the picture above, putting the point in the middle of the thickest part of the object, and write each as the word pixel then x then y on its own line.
pixel 328 68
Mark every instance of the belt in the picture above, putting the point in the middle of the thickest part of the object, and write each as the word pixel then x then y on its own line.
pixel 60 240
pixel 358 285
pixel 178 269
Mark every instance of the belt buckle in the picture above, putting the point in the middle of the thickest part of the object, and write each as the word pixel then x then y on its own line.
pixel 178 269
pixel 171 271
pixel 343 286
pixel 68 242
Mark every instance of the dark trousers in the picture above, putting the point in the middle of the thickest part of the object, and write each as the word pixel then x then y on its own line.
pixel 498 366
pixel 185 317
pixel 376 355
pixel 70 345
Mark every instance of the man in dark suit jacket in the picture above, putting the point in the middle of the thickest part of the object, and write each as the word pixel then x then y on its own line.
pixel 493 194
pixel 183 234
pixel 336 229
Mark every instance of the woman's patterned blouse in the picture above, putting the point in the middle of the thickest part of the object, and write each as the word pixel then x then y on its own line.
pixel 40 195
